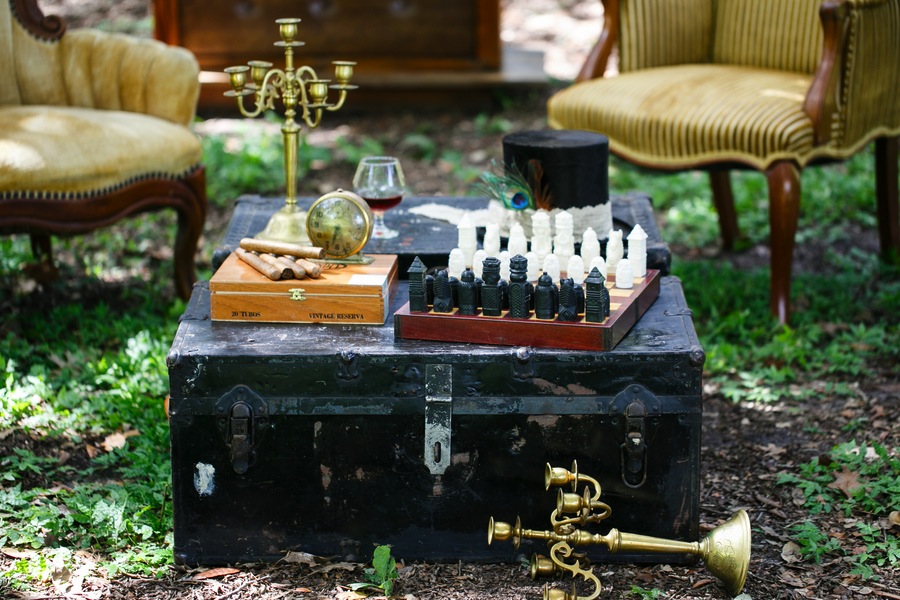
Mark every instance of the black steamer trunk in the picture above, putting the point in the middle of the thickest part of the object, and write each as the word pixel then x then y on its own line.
pixel 332 439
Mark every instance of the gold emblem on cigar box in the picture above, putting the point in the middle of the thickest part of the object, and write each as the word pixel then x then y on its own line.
pixel 297 294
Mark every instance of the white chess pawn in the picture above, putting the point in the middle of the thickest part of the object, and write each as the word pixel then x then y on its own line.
pixel 600 264
pixel 492 240
pixel 518 243
pixel 534 267
pixel 456 263
pixel 551 267
pixel 504 265
pixel 614 250
pixel 590 246
pixel 478 262
pixel 575 269
pixel 637 250
pixel 624 275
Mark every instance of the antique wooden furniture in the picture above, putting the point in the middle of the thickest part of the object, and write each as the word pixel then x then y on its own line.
pixel 405 49
pixel 774 85
pixel 94 127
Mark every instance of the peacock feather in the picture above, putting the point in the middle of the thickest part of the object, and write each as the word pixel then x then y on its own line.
pixel 515 190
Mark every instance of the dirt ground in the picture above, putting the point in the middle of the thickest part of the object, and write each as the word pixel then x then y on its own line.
pixel 744 446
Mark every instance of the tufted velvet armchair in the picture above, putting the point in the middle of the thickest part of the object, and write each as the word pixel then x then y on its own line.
pixel 94 127
pixel 773 85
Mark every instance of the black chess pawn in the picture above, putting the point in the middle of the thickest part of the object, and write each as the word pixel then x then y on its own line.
pixel 546 298
pixel 493 288
pixel 520 289
pixel 418 295
pixel 568 301
pixel 443 293
pixel 469 293
pixel 579 298
pixel 596 302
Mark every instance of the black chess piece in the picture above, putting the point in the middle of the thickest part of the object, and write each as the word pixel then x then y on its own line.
pixel 493 289
pixel 429 289
pixel 520 289
pixel 443 293
pixel 418 295
pixel 469 293
pixel 568 301
pixel 596 302
pixel 546 298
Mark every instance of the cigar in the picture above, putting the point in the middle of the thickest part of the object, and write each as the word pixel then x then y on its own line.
pixel 312 269
pixel 298 271
pixel 286 272
pixel 282 248
pixel 272 272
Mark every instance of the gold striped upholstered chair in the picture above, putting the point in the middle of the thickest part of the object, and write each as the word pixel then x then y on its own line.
pixel 773 85
pixel 94 127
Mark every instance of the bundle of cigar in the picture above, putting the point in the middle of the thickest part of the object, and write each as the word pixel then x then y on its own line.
pixel 280 260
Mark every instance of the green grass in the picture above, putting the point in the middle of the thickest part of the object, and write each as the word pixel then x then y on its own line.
pixel 82 368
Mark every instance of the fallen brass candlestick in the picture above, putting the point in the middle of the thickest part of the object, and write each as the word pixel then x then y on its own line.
pixel 296 87
pixel 725 550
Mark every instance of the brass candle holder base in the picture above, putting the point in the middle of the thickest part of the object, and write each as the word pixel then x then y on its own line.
pixel 725 550
pixel 287 224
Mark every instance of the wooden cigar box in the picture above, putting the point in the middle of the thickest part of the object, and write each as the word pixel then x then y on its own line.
pixel 345 294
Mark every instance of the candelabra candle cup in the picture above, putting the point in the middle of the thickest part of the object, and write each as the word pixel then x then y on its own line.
pixel 380 182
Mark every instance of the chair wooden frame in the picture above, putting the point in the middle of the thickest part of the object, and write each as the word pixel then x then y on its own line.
pixel 42 215
pixel 783 177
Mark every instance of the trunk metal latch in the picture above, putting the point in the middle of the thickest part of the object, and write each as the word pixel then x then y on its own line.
pixel 438 413
pixel 634 410
pixel 242 419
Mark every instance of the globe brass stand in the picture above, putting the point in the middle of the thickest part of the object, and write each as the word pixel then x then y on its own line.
pixel 725 550
pixel 296 87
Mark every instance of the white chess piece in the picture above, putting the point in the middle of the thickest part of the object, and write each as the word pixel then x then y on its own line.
pixel 478 262
pixel 456 263
pixel 504 265
pixel 534 267
pixel 624 275
pixel 518 243
pixel 614 250
pixel 551 267
pixel 541 240
pixel 637 250
pixel 564 241
pixel 590 246
pixel 467 238
pixel 492 240
pixel 600 265
pixel 575 269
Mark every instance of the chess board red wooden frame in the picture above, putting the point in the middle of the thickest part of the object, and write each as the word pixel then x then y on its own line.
pixel 626 307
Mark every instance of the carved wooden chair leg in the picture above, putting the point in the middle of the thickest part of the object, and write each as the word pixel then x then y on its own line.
pixel 43 269
pixel 723 199
pixel 191 216
pixel 886 153
pixel 784 207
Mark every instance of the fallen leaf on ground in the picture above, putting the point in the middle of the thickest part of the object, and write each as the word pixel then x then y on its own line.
pixel 846 481
pixel 117 440
pixel 219 572
pixel 790 552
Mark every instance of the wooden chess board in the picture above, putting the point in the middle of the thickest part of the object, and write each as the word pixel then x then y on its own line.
pixel 626 307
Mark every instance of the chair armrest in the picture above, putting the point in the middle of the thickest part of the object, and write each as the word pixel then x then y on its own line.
pixel 121 72
pixel 854 90
pixel 652 33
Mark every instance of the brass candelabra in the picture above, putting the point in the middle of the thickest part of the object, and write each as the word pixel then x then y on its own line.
pixel 298 88
pixel 725 550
